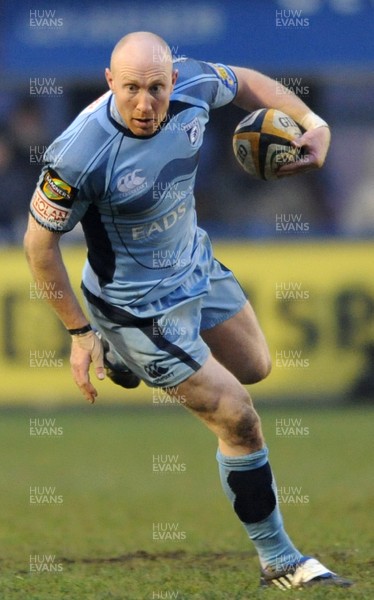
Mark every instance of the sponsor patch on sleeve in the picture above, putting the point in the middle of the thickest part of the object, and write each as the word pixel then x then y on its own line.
pixel 57 190
pixel 49 214
pixel 225 76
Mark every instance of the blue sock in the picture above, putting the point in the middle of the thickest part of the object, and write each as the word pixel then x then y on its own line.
pixel 249 485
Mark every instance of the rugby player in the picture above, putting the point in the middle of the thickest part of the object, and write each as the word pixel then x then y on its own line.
pixel 125 169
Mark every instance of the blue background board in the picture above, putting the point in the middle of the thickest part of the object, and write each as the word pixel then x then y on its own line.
pixel 301 36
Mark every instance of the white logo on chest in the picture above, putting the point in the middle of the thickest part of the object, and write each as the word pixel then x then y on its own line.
pixel 130 181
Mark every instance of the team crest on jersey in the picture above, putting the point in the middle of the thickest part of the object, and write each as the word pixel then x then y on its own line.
pixel 224 76
pixel 131 182
pixel 57 190
pixel 193 131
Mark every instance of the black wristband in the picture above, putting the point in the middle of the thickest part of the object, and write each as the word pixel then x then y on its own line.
pixel 80 330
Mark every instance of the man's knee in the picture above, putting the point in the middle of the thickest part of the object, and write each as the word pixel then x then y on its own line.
pixel 257 369
pixel 229 411
pixel 243 425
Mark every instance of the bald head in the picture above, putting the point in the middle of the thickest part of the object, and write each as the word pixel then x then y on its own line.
pixel 142 78
pixel 141 47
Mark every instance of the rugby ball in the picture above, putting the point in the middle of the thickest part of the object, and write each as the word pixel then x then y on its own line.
pixel 262 142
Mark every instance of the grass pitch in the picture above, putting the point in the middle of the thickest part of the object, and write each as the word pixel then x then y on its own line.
pixel 126 504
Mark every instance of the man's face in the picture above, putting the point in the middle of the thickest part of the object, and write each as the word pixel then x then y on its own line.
pixel 142 93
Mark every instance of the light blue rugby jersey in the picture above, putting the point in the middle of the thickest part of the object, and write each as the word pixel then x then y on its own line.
pixel 135 196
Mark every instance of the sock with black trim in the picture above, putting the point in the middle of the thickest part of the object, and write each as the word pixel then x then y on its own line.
pixel 249 485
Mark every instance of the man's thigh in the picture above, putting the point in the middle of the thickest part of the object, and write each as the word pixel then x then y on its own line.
pixel 239 344
pixel 230 328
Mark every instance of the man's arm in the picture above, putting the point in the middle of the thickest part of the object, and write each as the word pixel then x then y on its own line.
pixel 256 90
pixel 49 272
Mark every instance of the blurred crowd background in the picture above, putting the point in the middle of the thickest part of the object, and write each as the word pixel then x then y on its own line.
pixel 53 56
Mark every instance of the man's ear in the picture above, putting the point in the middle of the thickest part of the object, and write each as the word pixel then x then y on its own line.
pixel 174 77
pixel 109 78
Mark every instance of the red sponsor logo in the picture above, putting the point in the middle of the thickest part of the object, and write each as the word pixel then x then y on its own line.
pixel 47 210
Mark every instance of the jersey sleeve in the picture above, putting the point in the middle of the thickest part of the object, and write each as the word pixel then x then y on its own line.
pixel 56 204
pixel 227 84
pixel 64 190
pixel 212 84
